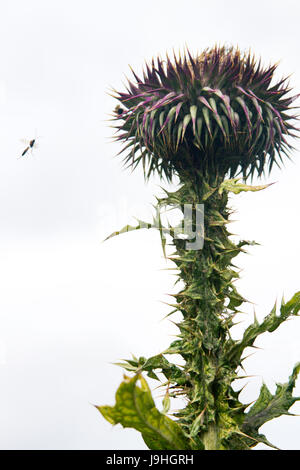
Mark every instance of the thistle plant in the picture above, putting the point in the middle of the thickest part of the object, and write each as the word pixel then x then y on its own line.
pixel 208 121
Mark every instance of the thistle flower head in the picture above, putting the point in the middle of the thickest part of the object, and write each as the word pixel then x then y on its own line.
pixel 218 112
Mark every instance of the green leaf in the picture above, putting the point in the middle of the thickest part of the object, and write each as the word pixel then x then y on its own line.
pixel 233 186
pixel 130 228
pixel 173 373
pixel 135 408
pixel 127 366
pixel 156 223
pixel 197 424
pixel 235 349
pixel 166 403
pixel 269 406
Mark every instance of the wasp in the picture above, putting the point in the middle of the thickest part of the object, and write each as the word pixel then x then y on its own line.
pixel 30 144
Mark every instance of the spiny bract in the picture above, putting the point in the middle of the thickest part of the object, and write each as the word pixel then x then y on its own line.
pixel 216 112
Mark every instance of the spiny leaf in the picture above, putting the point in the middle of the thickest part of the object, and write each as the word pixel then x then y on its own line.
pixel 135 408
pixel 235 349
pixel 166 403
pixel 129 228
pixel 269 406
pixel 233 186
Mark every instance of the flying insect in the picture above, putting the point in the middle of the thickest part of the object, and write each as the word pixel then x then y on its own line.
pixel 30 146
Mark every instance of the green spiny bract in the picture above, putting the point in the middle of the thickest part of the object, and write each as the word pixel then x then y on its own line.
pixel 204 119
pixel 218 112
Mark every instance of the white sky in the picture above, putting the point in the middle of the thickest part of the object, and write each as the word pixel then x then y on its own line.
pixel 70 305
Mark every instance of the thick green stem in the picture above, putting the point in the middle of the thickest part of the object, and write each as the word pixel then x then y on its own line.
pixel 210 438
pixel 208 277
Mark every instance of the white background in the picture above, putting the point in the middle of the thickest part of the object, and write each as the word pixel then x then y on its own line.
pixel 69 304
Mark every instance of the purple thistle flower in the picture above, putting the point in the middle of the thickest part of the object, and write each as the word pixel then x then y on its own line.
pixel 216 112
